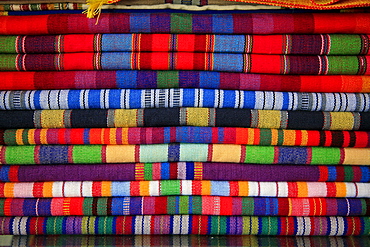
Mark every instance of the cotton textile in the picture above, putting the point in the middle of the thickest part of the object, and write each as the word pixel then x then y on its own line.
pixel 161 117
pixel 28 80
pixel 223 62
pixel 183 187
pixel 94 154
pixel 183 171
pixel 323 44
pixel 189 240
pixel 255 23
pixel 185 205
pixel 182 97
pixel 185 134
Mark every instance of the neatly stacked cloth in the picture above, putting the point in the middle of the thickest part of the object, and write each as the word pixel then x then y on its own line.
pixel 159 122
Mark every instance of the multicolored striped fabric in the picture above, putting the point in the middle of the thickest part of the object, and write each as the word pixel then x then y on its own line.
pixel 183 187
pixel 188 205
pixel 185 134
pixel 224 62
pixel 186 224
pixel 160 117
pixel 329 44
pixel 144 22
pixel 29 80
pixel 183 171
pixel 188 240
pixel 38 6
pixel 182 97
pixel 92 154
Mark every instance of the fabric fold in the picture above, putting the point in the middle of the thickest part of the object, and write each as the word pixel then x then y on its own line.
pixel 94 154
pixel 183 187
pixel 162 117
pixel 185 134
pixel 316 44
pixel 222 62
pixel 183 171
pixel 237 23
pixel 184 205
pixel 182 97
pixel 29 80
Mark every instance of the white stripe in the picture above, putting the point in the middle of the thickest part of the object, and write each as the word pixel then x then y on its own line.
pixel 154 189
pixel 176 224
pixel 57 189
pixel 84 97
pixel 185 224
pixel 252 188
pixel 283 189
pixel 333 225
pixel 181 170
pixel 138 224
pixel 16 222
pixel 72 189
pixel 267 189
pixel 87 188
pixel 23 189
pixel 363 189
pixel 147 224
pixel 63 100
pixel 104 98
pixel 186 187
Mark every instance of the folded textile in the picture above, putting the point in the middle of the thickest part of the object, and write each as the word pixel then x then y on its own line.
pixel 183 171
pixel 255 23
pixel 160 117
pixel 223 62
pixel 185 134
pixel 188 240
pixel 188 205
pixel 312 4
pixel 186 224
pixel 95 154
pixel 8 6
pixel 29 80
pixel 183 187
pixel 323 44
pixel 182 97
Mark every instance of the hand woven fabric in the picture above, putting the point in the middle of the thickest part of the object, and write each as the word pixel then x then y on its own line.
pixel 184 79
pixel 169 98
pixel 160 117
pixel 130 125
pixel 185 134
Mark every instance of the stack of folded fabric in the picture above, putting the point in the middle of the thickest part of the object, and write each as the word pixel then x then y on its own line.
pixel 160 122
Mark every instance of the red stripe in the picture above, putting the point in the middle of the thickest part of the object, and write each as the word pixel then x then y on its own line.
pixel 37 190
pixel 2 185
pixel 234 188
pixel 135 188
pixel 324 173
pixel 13 174
pixel 96 189
pixel 76 206
pixel 331 189
pixel 226 205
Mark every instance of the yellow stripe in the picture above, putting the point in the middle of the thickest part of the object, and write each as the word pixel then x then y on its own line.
pixel 269 119
pixel 18 136
pixel 144 188
pixel 31 136
pixel 226 153
pixel 341 189
pixel 43 136
pixel 250 136
pixel 47 190
pixel 289 137
pixel 112 136
pixel 243 188
pixel 247 225
pixel 356 156
pixel 124 136
pixel 120 153
pixel 106 188
pixel 206 187
pixel 52 119
pixel 197 116
pixel 304 134
pixel 139 171
pixel 341 120
pixel 302 189
pixel 274 137
pixel 198 171
pixel 9 189
pixel 125 118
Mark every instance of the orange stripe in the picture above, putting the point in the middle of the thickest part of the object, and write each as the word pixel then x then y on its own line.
pixel 125 136
pixel 47 189
pixel 198 171
pixel 341 189
pixel 106 188
pixel 9 190
pixel 302 189
pixel 139 171
pixel 243 188
pixel 18 136
pixel 206 187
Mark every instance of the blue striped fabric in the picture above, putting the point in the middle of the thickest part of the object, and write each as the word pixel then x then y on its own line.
pixel 178 97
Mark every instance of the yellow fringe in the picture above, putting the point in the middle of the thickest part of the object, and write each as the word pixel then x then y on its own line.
pixel 94 9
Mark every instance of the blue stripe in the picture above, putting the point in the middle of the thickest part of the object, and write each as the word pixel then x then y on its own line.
pixel 135 99
pixel 249 99
pixel 120 188
pixel 365 170
pixel 116 42
pixel 94 98
pixel 286 100
pixel 73 99
pixel 332 173
pixel 220 188
pixel 188 97
pixel 117 205
pixel 86 136
pixel 229 98
pixel 165 170
pixel 167 134
pixel 115 99
pixel 4 173
pixel 37 102
pixel 209 79
pixel 126 78
pixel 189 170
pixel 222 23
pixel 116 60
pixel 209 98
pixel 137 21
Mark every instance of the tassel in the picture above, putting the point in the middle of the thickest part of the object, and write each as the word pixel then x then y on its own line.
pixel 95 7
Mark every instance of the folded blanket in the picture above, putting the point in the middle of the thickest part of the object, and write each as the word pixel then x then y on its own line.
pixel 312 4
pixel 223 62
pixel 183 187
pixel 188 240
pixel 182 97
pixel 323 44
pixel 186 224
pixel 175 205
pixel 29 80
pixel 95 154
pixel 183 171
pixel 161 117
pixel 185 134
pixel 142 22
